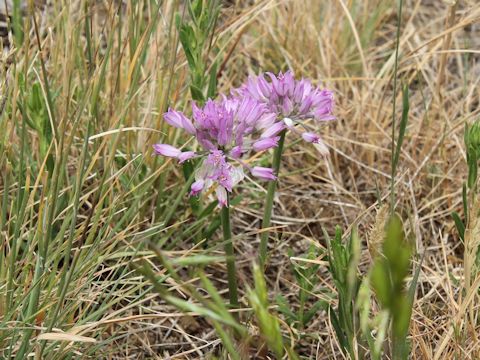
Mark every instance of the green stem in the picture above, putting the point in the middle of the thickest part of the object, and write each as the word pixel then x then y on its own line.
pixel 394 116
pixel 267 213
pixel 229 252
pixel 301 311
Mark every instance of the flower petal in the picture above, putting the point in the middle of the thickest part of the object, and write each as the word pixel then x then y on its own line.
pixel 237 175
pixel 186 155
pixel 197 187
pixel 166 150
pixel 222 196
pixel 236 152
pixel 311 137
pixel 266 120
pixel 265 144
pixel 263 173
pixel 179 120
pixel 322 148
pixel 273 130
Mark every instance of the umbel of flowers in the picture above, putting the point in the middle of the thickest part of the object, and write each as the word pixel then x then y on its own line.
pixel 293 101
pixel 248 120
pixel 226 130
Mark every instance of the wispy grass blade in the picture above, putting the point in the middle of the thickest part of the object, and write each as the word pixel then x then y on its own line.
pixel 394 107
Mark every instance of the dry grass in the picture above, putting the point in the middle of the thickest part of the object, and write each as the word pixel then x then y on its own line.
pixel 346 45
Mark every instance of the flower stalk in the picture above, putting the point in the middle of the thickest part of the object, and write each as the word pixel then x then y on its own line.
pixel 267 212
pixel 230 255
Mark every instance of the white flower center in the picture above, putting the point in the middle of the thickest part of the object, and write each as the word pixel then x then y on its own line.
pixel 288 121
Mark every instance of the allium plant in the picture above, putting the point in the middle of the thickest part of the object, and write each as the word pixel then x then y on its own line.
pixel 294 102
pixel 226 130
pixel 254 118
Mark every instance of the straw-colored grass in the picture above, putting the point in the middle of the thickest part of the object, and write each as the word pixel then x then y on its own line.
pixel 70 234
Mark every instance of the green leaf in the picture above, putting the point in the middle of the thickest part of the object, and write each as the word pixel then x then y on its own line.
pixel 353 261
pixel 338 329
pixel 284 308
pixel 17 18
pixel 226 340
pixel 212 84
pixel 197 260
pixel 197 93
pixel 380 280
pixel 218 301
pixel 397 251
pixel 413 286
pixel 195 308
pixel 316 307
pixel 388 277
pixel 212 228
pixel 188 170
pixel 268 324
pixel 236 200
pixel 465 136
pixel 208 210
pixel 401 316
pixel 472 170
pixel 195 9
pixel 459 225
pixel 187 38
pixel 291 354
pixel 403 126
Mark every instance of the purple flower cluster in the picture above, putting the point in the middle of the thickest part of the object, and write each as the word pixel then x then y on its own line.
pixel 249 120
pixel 226 130
pixel 293 101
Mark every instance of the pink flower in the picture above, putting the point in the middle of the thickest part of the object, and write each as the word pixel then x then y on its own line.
pixel 259 87
pixel 221 196
pixel 236 152
pixel 186 155
pixel 166 150
pixel 197 187
pixel 283 84
pixel 273 129
pixel 265 144
pixel 263 173
pixel 178 120
pixel 317 141
pixel 267 120
pixel 227 123
pixel 311 137
pixel 215 170
pixel 171 151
